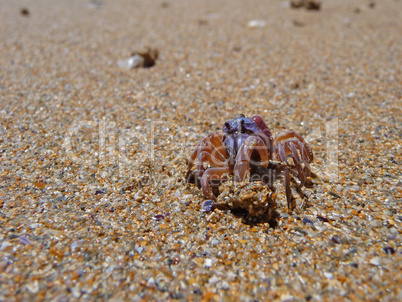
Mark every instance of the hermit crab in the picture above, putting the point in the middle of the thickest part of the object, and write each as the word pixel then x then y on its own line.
pixel 247 148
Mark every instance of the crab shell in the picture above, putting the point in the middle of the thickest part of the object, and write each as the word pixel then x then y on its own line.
pixel 236 131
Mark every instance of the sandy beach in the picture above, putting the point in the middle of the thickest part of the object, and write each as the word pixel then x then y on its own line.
pixel 94 203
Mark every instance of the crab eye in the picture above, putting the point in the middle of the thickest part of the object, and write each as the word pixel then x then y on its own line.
pixel 242 128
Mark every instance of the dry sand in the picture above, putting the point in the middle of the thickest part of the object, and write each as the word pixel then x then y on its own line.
pixel 93 203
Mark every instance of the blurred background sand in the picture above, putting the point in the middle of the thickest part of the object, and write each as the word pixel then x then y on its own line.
pixel 93 203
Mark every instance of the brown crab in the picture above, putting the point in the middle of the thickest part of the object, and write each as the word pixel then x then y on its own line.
pixel 247 147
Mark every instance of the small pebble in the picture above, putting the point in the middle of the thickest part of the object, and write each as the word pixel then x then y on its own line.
pixel 158 217
pixel 208 263
pixel 300 230
pixel 307 4
pixel 131 62
pixel 323 219
pixel 256 23
pixel 307 221
pixel 24 11
pixel 376 261
pixel 328 275
pixel 24 240
pixel 140 59
pixel 339 188
pixel 336 239
pixel 207 205
pixel 389 250
pixel 215 241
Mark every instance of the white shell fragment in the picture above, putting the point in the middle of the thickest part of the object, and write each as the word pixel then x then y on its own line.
pixel 132 62
pixel 140 59
pixel 256 23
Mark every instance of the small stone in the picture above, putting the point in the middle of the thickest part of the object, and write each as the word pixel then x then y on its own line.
pixel 307 221
pixel 213 280
pixel 328 275
pixel 300 231
pixel 354 188
pixel 140 59
pixel 323 219
pixel 33 287
pixel 336 239
pixel 321 228
pixel 389 250
pixel 24 11
pixel 256 23
pixel 215 241
pixel 207 205
pixel 24 240
pixel 225 285
pixel 76 292
pixel 4 245
pixel 297 239
pixel 376 261
pixel 75 245
pixel 307 4
pixel 131 62
pixel 158 217
pixel 298 23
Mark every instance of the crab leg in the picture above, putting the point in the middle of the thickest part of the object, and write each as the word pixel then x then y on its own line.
pixel 304 157
pixel 194 155
pixel 282 153
pixel 293 134
pixel 216 141
pixel 286 179
pixel 212 173
pixel 297 162
pixel 287 186
pixel 243 156
pixel 206 157
pixel 211 143
pixel 192 159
